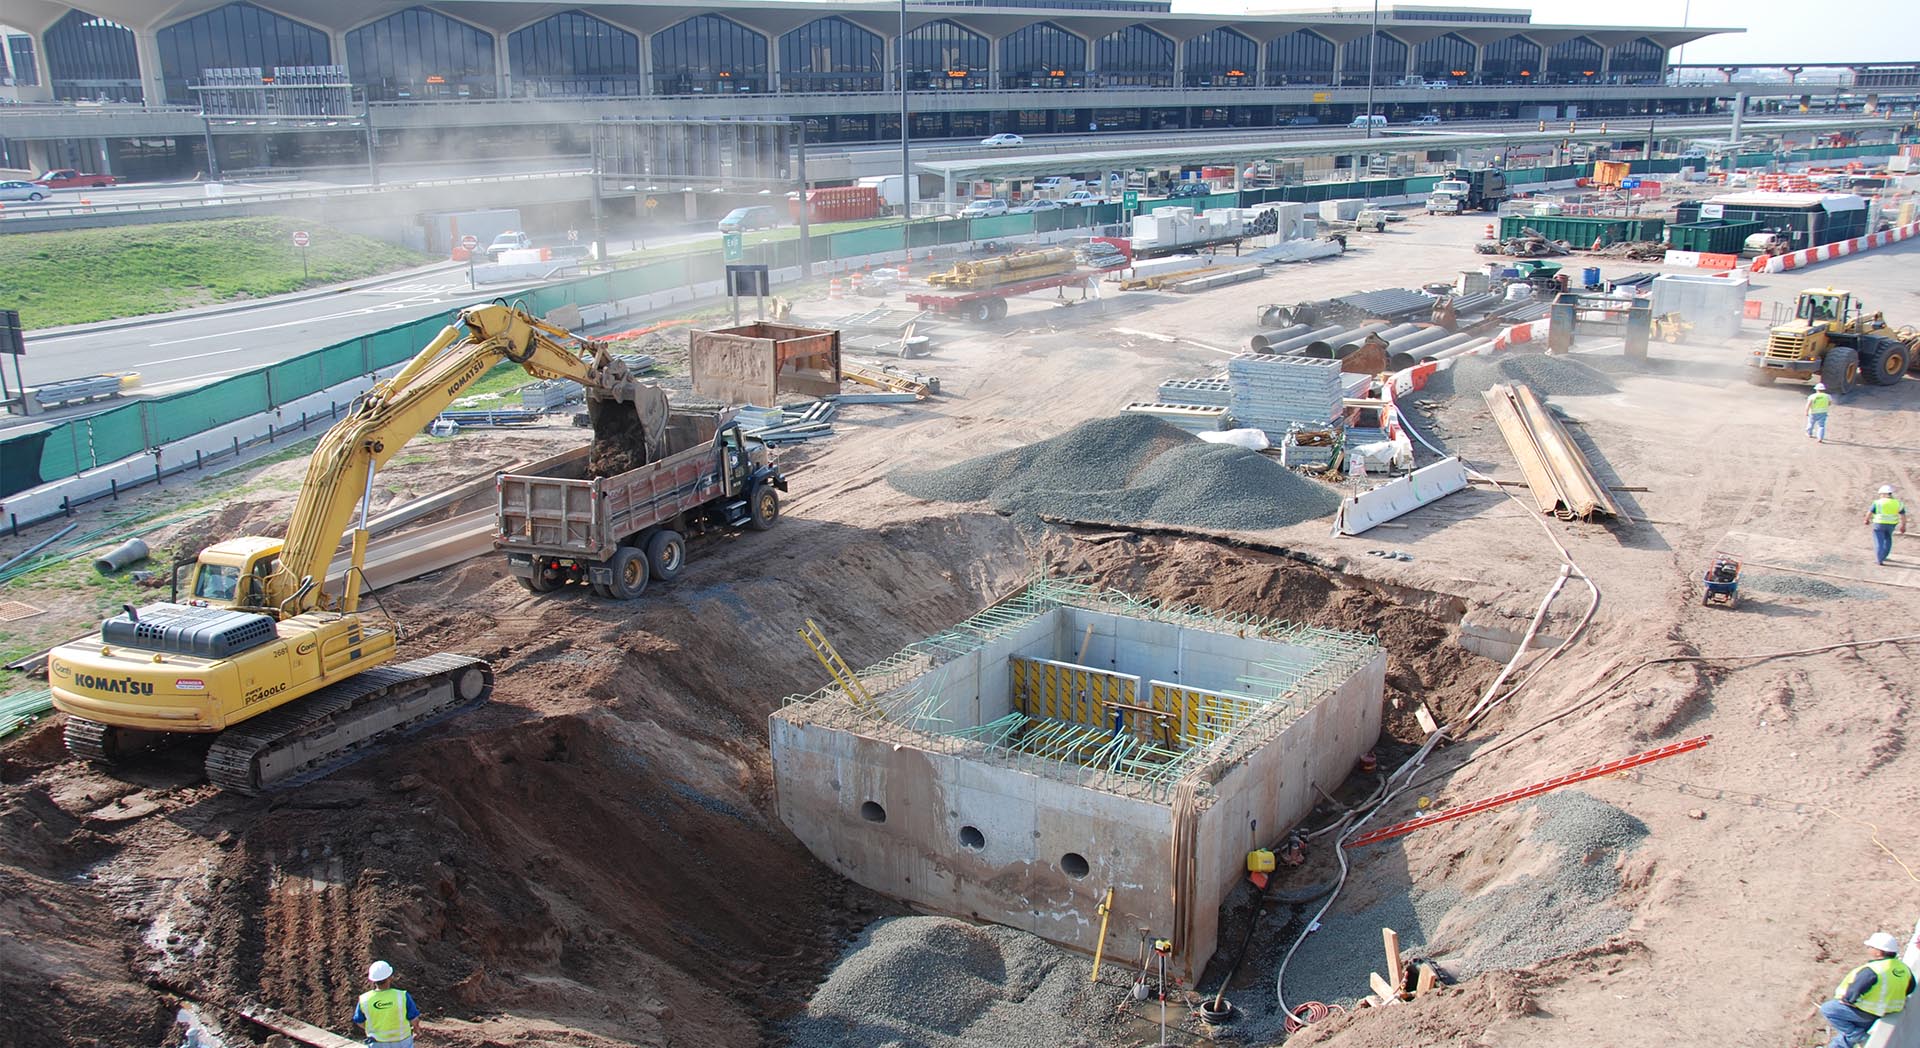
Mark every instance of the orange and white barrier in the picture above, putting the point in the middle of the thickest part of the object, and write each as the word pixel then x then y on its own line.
pixel 1840 249
pixel 834 288
pixel 1703 260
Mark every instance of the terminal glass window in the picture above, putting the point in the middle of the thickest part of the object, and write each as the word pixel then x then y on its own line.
pixel 1135 57
pixel 1638 61
pixel 573 53
pixel 1448 57
pixel 1574 61
pixel 832 54
pixel 237 36
pixel 1301 57
pixel 1515 60
pixel 1221 58
pixel 945 56
pixel 709 55
pixel 92 59
pixel 1042 55
pixel 26 71
pixel 1389 61
pixel 421 54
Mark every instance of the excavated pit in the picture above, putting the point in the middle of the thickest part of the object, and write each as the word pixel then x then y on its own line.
pixel 592 858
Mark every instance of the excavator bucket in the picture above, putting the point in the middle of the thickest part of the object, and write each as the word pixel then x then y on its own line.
pixel 629 428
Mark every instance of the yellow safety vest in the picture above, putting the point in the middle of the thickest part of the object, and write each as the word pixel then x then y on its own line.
pixel 1888 994
pixel 386 1015
pixel 1886 510
pixel 1818 403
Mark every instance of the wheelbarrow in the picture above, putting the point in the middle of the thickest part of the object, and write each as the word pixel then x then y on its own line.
pixel 1722 582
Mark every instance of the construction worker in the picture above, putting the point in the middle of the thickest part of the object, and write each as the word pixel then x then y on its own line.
pixel 1876 989
pixel 385 1015
pixel 1884 516
pixel 1818 404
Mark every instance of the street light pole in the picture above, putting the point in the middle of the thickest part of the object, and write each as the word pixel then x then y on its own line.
pixel 1373 57
pixel 906 149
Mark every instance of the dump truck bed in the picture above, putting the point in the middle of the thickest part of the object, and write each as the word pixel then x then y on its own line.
pixel 588 518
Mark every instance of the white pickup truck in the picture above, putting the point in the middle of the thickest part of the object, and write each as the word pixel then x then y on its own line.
pixel 1449 197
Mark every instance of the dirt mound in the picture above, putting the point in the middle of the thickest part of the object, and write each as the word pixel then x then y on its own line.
pixel 1550 376
pixel 1131 469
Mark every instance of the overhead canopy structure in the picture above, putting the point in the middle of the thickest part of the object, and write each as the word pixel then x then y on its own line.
pixel 1000 167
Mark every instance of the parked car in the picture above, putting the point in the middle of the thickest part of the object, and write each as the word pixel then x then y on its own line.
pixel 742 219
pixel 1189 189
pixel 23 191
pixel 1036 205
pixel 511 240
pixel 1080 197
pixel 1002 140
pixel 68 178
pixel 985 208
pixel 1056 185
pixel 1302 121
pixel 1426 120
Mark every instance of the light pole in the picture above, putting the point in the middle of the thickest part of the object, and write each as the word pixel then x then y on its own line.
pixel 906 149
pixel 1373 55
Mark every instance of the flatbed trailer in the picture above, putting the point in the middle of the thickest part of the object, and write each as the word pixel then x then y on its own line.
pixel 981 305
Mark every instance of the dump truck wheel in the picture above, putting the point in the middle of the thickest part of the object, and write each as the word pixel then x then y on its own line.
pixel 1841 370
pixel 666 554
pixel 629 573
pixel 764 508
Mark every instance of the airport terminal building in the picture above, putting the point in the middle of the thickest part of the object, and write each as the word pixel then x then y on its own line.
pixel 137 88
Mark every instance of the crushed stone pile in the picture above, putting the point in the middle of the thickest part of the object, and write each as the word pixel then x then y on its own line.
pixel 1548 376
pixel 1517 923
pixel 1131 469
pixel 933 982
pixel 1802 586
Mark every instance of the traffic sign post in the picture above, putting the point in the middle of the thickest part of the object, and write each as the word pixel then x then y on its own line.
pixel 470 244
pixel 1129 201
pixel 730 249
pixel 300 240
pixel 573 236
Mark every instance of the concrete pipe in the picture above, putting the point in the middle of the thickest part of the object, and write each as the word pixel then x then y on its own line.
pixel 1432 350
pixel 1398 331
pixel 1303 341
pixel 1465 348
pixel 1264 342
pixel 1324 348
pixel 1400 350
pixel 132 551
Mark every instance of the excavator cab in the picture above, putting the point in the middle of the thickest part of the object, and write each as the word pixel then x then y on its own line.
pixel 233 574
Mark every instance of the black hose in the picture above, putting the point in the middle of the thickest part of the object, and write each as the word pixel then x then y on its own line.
pixel 1253 921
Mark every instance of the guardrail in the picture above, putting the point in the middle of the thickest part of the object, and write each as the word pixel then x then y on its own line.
pixel 45 211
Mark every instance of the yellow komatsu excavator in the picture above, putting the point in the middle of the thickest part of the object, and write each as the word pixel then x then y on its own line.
pixel 294 679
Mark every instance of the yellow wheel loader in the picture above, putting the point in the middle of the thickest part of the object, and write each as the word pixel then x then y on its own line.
pixel 1832 339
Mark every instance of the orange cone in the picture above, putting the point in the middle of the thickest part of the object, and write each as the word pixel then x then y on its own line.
pixel 1489 231
pixel 834 288
pixel 1596 244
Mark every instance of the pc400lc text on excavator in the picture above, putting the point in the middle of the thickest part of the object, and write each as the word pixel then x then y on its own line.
pixel 293 677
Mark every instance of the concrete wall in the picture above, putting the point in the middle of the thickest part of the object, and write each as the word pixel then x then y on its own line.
pixel 1159 651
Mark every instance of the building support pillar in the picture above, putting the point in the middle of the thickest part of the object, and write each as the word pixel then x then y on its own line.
pixel 502 71
pixel 153 79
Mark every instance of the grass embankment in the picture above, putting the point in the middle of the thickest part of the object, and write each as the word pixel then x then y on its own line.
pixel 79 276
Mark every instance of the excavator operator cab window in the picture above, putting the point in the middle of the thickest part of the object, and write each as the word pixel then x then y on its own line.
pixel 257 582
pixel 216 582
pixel 1821 307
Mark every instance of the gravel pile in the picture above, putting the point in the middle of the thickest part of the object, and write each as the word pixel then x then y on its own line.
pixel 909 982
pixel 1131 469
pixel 1548 376
pixel 1520 923
pixel 1802 586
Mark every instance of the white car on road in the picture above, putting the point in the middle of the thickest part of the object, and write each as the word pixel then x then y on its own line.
pixel 984 208
pixel 1082 196
pixel 1002 140
pixel 1037 205
pixel 23 191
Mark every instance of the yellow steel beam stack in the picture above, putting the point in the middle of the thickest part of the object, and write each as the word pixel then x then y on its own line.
pixel 1557 473
pixel 1005 269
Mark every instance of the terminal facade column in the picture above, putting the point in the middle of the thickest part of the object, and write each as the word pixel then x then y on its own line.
pixel 153 79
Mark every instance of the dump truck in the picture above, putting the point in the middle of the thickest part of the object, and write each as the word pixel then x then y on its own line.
pixel 1834 339
pixel 287 674
pixel 1486 187
pixel 1449 197
pixel 613 534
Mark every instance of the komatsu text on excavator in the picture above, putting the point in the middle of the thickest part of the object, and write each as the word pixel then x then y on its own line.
pixel 294 678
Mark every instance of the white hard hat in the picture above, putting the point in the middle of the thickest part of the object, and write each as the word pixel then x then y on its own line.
pixel 1883 942
pixel 1886 489
pixel 381 971
pixel 1820 386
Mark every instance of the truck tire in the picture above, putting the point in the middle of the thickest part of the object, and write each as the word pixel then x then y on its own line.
pixel 629 573
pixel 537 582
pixel 1883 361
pixel 666 554
pixel 998 307
pixel 763 509
pixel 1841 370
pixel 980 310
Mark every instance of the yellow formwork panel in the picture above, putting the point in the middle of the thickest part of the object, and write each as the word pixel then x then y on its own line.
pixel 1065 692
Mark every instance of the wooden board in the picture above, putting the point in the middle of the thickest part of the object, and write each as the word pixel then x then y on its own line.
pixel 1391 939
pixel 1382 988
pixel 1425 716
pixel 1426 980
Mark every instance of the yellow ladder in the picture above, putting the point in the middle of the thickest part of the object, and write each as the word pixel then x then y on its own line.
pixel 836 666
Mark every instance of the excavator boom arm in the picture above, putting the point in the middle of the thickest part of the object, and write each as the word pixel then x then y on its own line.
pixel 387 416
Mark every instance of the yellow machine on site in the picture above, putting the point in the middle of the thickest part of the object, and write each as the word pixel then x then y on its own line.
pixel 1832 339
pixel 292 677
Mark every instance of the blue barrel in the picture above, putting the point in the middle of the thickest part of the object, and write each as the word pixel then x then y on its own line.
pixel 1510 273
pixel 1590 277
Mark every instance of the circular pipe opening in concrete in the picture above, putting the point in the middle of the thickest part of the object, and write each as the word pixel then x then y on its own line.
pixel 873 812
pixel 971 837
pixel 1074 864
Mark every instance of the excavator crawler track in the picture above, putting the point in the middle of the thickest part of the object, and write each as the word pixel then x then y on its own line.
pixel 90 740
pixel 335 726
